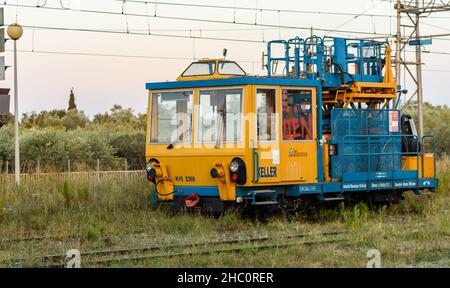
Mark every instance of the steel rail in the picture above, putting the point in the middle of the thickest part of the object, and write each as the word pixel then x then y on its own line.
pixel 124 251
pixel 208 252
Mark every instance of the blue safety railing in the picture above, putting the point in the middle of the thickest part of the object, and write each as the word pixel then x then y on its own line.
pixel 273 62
pixel 387 171
pixel 325 58
pixel 298 58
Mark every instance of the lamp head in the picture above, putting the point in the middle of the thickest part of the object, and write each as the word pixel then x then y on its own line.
pixel 15 31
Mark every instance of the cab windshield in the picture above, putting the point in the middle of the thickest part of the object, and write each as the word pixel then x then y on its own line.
pixel 200 69
pixel 171 117
pixel 208 68
pixel 220 116
pixel 230 68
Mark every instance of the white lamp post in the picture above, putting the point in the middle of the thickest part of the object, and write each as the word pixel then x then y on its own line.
pixel 15 31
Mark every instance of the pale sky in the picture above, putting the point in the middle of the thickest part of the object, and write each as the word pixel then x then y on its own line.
pixel 45 79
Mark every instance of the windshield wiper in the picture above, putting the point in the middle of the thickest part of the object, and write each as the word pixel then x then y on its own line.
pixel 172 145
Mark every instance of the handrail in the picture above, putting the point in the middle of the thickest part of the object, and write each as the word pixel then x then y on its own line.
pixel 255 160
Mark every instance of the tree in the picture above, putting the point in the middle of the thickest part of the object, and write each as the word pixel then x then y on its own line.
pixel 72 105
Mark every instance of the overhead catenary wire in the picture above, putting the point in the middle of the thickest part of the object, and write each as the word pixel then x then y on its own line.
pixel 435 26
pixel 191 36
pixel 274 26
pixel 137 33
pixel 68 53
pixel 73 53
pixel 168 35
pixel 244 8
pixel 131 32
pixel 160 34
pixel 254 9
pixel 179 18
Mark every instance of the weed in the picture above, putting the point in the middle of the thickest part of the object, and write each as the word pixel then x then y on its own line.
pixel 36 222
pixel 2 204
pixel 324 214
pixel 354 217
pixel 67 193
pixel 93 230
pixel 412 203
pixel 83 193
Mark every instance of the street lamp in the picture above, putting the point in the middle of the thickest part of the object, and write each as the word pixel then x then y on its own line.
pixel 15 31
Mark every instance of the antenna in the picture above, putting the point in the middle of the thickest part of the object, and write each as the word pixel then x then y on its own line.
pixel 225 52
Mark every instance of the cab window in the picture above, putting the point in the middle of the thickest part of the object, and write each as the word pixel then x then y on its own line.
pixel 266 114
pixel 171 117
pixel 230 68
pixel 220 115
pixel 200 69
pixel 297 114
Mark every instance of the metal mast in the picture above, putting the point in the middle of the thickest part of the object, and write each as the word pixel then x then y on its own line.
pixel 414 12
pixel 397 46
pixel 419 74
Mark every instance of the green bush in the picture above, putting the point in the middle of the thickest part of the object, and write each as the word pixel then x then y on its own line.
pixel 356 216
pixel 52 138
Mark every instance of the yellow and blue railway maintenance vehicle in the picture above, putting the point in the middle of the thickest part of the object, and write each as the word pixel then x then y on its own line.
pixel 322 125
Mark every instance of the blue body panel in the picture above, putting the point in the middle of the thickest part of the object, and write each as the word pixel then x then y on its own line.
pixel 316 189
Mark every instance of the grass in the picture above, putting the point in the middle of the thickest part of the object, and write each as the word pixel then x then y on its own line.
pixel 111 213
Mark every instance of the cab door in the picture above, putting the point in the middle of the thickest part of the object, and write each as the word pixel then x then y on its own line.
pixel 266 156
pixel 298 146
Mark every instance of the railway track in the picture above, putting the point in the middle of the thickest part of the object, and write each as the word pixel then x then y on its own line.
pixel 179 250
pixel 232 245
pixel 3 242
pixel 208 252
pixel 444 262
pixel 10 241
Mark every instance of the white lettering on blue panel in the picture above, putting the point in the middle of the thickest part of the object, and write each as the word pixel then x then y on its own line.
pixel 355 186
pixel 307 188
pixel 381 185
pixel 405 184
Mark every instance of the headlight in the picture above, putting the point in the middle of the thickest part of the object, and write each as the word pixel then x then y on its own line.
pixel 238 173
pixel 234 166
pixel 149 166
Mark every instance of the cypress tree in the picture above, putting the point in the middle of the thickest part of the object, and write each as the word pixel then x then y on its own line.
pixel 72 105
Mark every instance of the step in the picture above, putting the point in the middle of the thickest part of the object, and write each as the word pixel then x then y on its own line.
pixel 334 199
pixel 265 203
pixel 264 191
